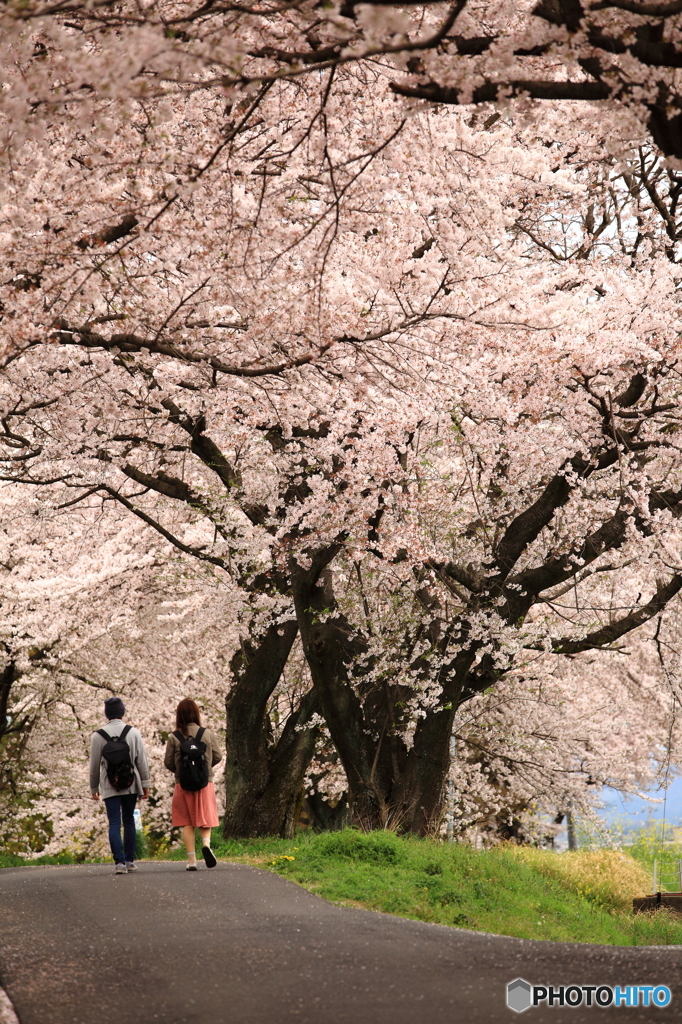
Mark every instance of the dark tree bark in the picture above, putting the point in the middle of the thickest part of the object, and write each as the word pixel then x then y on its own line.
pixel 331 647
pixel 14 733
pixel 7 678
pixel 263 778
pixel 388 784
pixel 419 792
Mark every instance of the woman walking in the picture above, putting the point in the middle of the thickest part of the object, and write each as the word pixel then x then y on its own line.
pixel 194 805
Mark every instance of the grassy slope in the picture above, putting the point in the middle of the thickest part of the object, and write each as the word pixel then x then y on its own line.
pixel 535 894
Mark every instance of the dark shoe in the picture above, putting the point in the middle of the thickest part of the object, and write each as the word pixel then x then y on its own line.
pixel 209 859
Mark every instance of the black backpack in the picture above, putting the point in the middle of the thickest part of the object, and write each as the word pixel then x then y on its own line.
pixel 116 754
pixel 193 767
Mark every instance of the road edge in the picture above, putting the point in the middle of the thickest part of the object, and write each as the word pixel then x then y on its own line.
pixel 7 1011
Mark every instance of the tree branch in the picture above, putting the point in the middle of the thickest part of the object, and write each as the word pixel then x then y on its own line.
pixel 109 234
pixel 524 529
pixel 175 541
pixel 554 571
pixel 66 335
pixel 464 576
pixel 608 635
pixel 664 10
pixel 490 91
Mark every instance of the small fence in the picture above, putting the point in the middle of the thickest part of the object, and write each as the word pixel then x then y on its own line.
pixel 667 876
pixel 666 888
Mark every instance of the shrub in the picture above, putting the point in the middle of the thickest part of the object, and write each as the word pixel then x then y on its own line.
pixel 349 844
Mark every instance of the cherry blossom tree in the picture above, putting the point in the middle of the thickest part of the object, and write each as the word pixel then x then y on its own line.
pixel 404 382
pixel 622 54
pixel 66 581
pixel 548 739
pixel 297 492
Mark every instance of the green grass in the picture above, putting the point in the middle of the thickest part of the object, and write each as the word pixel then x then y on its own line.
pixel 647 846
pixel 528 893
pixel 11 860
pixel 534 894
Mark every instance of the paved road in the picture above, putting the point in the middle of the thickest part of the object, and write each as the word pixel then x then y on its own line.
pixel 240 946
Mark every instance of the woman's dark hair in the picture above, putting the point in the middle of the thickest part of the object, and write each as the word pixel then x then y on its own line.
pixel 186 712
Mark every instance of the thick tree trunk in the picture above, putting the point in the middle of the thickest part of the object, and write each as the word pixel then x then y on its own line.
pixel 7 677
pixel 280 804
pixel 419 793
pixel 389 784
pixel 263 779
pixel 14 732
pixel 330 647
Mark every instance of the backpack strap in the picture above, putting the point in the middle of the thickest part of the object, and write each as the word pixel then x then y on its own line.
pixel 181 736
pixel 122 736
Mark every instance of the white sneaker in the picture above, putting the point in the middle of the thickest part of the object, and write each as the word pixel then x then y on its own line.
pixel 120 869
pixel 131 865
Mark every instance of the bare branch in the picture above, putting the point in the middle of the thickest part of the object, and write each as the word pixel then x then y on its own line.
pixel 175 541
pixel 608 635
pixel 109 234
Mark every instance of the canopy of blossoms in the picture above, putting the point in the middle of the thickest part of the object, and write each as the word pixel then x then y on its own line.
pixel 398 382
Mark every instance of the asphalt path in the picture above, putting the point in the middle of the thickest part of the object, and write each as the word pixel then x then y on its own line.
pixel 236 945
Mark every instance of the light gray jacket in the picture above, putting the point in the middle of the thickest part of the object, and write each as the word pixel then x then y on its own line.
pixel 98 771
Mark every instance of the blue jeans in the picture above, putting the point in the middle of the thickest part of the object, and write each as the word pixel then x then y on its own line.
pixel 118 806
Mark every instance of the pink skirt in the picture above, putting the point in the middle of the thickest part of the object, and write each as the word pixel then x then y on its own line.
pixel 198 809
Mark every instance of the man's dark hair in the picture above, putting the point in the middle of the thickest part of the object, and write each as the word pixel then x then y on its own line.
pixel 186 712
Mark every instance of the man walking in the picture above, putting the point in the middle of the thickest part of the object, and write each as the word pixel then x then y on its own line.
pixel 119 770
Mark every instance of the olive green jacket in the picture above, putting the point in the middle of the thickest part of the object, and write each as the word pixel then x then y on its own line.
pixel 213 753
